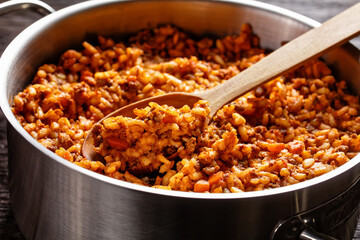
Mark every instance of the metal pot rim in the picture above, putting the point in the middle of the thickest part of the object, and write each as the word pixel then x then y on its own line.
pixel 12 53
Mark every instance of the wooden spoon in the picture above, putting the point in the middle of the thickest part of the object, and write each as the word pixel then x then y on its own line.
pixel 311 44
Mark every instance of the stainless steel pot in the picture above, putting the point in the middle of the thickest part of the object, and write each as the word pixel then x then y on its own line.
pixel 55 199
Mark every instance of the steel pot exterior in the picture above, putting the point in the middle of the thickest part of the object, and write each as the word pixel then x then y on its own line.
pixel 55 199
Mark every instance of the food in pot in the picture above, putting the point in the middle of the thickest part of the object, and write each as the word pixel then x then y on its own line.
pixel 153 141
pixel 291 129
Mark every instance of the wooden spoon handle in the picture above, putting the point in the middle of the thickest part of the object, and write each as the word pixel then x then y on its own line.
pixel 311 44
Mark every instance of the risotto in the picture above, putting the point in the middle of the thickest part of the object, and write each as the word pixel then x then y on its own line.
pixel 291 129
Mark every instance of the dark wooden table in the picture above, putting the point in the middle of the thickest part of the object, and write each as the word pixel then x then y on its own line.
pixel 13 23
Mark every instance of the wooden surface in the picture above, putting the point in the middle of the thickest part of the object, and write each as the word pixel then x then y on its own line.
pixel 12 24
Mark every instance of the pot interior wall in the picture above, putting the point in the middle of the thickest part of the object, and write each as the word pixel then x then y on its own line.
pixel 121 19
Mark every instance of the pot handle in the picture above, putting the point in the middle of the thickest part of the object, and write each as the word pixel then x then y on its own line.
pixel 35 5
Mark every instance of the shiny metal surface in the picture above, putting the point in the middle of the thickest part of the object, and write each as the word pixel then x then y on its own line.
pixel 15 5
pixel 312 235
pixel 333 219
pixel 55 199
